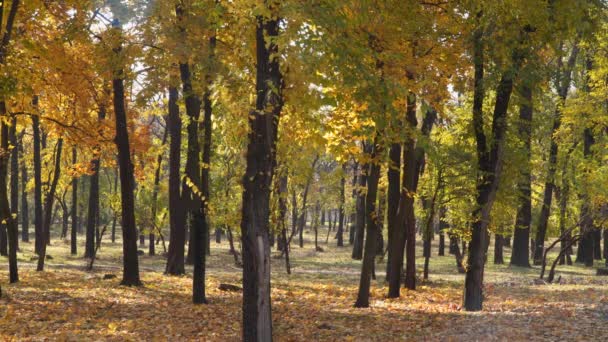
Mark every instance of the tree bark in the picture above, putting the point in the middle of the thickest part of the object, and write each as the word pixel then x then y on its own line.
pixel 37 181
pixel 371 224
pixel 489 168
pixel 48 205
pixel 177 233
pixel 159 162
pixel 127 180
pixel 340 232
pixel 10 223
pixel 263 125
pixel 14 205
pixel 360 209
pixel 521 251
pixel 93 212
pixel 74 231
pixel 563 84
pixel 25 215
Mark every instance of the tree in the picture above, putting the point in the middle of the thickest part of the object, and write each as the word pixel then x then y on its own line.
pixel 263 123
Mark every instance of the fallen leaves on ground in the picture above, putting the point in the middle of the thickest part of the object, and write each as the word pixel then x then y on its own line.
pixel 74 305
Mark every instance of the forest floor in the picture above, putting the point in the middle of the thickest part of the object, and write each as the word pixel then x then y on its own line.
pixel 314 303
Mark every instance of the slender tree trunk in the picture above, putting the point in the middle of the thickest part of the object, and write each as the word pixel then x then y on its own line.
pixel 355 181
pixel 127 179
pixel 263 124
pixel 14 172
pixel 586 245
pixel 37 181
pixel 360 210
pixel 48 206
pixel 207 111
pixel 405 221
pixel 340 233
pixel 159 162
pixel 25 215
pixel 74 232
pixel 521 234
pixel 5 211
pixel 563 83
pixel 371 224
pixel 489 168
pixel 177 239
pixel 498 255
pixel 394 186
pixel 412 166
pixel 302 219
pixel 93 212
pixel 380 222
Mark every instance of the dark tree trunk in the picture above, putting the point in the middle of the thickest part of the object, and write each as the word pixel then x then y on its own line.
pixel 25 215
pixel 371 225
pixel 263 124
pixel 587 245
pixel 37 182
pixel 74 232
pixel 393 190
pixel 405 221
pixel 127 180
pixel 302 218
pixel 282 187
pixel 177 233
pixel 207 111
pixel 410 182
pixel 360 206
pixel 521 235
pixel 340 233
pixel 380 222
pixel 14 173
pixel 498 243
pixel 443 225
pixel 114 219
pixel 159 162
pixel 193 181
pixel 488 166
pixel 93 212
pixel 48 206
pixel 10 223
pixel 353 215
pixel 563 84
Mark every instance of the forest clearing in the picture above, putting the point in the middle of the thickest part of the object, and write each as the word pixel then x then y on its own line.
pixel 304 170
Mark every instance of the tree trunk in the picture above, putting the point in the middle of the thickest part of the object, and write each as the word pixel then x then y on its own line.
pixel 14 205
pixel 498 243
pixel 177 233
pixel 127 180
pixel 263 124
pixel 340 233
pixel 207 111
pixel 489 168
pixel 405 220
pixel 48 206
pixel 355 180
pixel 393 190
pixel 302 218
pixel 521 235
pixel 93 212
pixel 159 162
pixel 371 224
pixel 37 181
pixel 563 84
pixel 74 232
pixel 586 245
pixel 360 209
pixel 5 211
pixel 25 215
